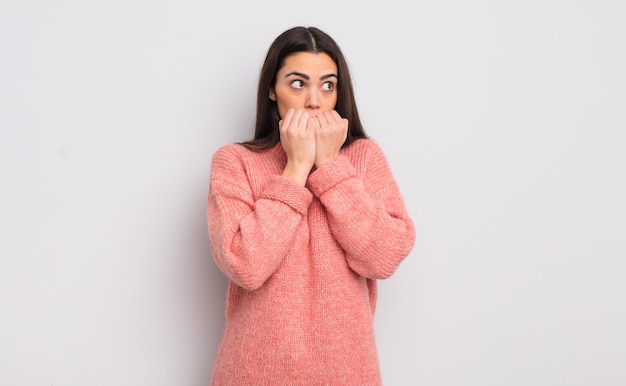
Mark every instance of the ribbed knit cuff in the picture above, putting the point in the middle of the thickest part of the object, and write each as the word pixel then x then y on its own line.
pixel 330 174
pixel 287 191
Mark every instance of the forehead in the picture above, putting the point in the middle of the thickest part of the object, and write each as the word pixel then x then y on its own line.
pixel 308 62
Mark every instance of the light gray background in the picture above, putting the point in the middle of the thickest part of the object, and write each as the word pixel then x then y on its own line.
pixel 502 121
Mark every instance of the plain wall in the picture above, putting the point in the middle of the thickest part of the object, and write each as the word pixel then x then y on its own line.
pixel 503 123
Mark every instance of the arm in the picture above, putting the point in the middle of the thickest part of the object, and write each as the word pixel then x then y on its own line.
pixel 249 239
pixel 366 213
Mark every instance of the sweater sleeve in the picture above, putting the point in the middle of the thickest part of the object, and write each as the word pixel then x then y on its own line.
pixel 366 213
pixel 250 238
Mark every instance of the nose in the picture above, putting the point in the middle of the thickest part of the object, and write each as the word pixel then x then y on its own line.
pixel 312 99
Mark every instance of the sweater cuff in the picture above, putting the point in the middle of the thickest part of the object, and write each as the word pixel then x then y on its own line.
pixel 330 174
pixel 287 191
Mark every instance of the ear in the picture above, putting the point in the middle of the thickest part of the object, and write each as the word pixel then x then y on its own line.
pixel 272 94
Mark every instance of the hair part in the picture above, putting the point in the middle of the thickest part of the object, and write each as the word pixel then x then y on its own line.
pixel 292 41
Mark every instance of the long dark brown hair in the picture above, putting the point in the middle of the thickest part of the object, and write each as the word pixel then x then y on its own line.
pixel 294 40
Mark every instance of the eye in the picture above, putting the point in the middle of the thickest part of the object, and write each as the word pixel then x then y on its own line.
pixel 298 84
pixel 328 86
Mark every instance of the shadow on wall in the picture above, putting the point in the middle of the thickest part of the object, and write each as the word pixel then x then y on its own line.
pixel 205 286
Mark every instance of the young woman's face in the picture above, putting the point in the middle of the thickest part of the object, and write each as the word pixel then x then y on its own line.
pixel 307 81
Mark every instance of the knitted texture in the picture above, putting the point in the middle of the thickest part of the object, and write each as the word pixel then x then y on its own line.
pixel 302 264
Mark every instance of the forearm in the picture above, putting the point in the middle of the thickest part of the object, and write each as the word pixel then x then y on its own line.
pixel 372 227
pixel 249 249
pixel 251 233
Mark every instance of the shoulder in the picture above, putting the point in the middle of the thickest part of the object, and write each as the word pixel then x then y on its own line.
pixel 236 159
pixel 366 150
pixel 236 153
pixel 228 159
pixel 370 163
pixel 230 151
pixel 364 145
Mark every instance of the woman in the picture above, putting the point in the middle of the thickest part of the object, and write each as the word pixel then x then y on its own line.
pixel 302 220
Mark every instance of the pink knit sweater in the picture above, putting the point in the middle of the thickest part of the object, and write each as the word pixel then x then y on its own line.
pixel 303 264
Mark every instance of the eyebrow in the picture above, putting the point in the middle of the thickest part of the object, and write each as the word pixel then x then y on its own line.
pixel 305 76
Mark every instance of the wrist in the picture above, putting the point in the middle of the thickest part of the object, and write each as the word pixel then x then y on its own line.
pixel 298 172
pixel 322 160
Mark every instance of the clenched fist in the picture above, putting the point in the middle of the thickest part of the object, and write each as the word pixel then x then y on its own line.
pixel 330 134
pixel 297 136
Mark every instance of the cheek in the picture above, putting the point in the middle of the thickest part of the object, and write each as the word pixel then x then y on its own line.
pixel 331 102
pixel 286 101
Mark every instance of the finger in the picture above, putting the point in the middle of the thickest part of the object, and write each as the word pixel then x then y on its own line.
pixel 295 119
pixel 336 118
pixel 312 124
pixel 323 119
pixel 303 119
pixel 286 120
pixel 342 123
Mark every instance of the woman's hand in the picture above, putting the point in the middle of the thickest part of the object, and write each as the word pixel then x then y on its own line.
pixel 329 136
pixel 297 136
